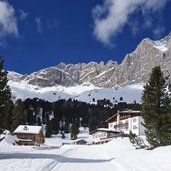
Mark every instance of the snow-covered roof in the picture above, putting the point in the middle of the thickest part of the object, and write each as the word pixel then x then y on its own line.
pixel 5 132
pixel 104 130
pixel 28 129
pixel 80 139
pixel 129 111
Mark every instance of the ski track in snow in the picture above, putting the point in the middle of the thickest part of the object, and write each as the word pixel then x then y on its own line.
pixel 69 160
pixel 117 163
pixel 116 155
pixel 75 158
pixel 83 162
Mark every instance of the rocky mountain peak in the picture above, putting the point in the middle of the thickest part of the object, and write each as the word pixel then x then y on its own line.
pixel 135 68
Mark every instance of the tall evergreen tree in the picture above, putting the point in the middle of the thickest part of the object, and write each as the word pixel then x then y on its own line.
pixel 5 96
pixel 74 129
pixel 48 126
pixel 7 121
pixel 92 124
pixel 30 117
pixel 156 110
pixel 55 125
pixel 39 121
pixel 18 114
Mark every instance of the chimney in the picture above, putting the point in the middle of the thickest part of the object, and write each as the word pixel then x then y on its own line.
pixel 25 128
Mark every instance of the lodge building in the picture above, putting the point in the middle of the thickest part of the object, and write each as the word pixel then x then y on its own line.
pixel 126 121
pixel 29 135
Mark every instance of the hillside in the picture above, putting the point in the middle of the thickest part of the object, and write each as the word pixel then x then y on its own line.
pixel 85 92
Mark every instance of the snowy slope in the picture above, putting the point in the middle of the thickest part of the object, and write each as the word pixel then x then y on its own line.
pixel 85 92
pixel 117 155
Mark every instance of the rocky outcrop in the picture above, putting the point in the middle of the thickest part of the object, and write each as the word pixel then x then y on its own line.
pixel 135 68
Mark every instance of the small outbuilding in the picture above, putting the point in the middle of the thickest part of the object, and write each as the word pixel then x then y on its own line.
pixel 29 135
pixel 103 135
pixel 80 142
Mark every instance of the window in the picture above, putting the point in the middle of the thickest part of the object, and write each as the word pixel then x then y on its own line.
pixel 135 127
pixel 134 119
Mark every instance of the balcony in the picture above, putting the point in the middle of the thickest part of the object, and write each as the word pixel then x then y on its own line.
pixel 122 125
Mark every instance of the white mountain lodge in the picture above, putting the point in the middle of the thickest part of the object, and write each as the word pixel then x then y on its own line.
pixel 126 121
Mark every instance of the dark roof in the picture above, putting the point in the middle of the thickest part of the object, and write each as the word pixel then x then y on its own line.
pixel 123 112
pixel 110 118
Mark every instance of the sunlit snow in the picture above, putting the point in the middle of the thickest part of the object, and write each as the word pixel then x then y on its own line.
pixel 118 155
pixel 85 92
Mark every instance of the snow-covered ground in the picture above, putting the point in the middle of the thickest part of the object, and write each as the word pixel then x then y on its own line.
pixel 85 92
pixel 117 155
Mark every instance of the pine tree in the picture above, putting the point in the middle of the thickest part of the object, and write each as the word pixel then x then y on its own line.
pixel 74 129
pixel 156 110
pixel 18 114
pixel 7 121
pixel 92 124
pixel 39 121
pixel 48 127
pixel 136 141
pixel 55 125
pixel 30 117
pixel 5 96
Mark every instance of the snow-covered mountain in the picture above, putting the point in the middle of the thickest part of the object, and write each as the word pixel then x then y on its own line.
pixel 85 92
pixel 67 80
pixel 135 68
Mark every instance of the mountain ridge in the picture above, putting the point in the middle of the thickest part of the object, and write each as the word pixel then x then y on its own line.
pixel 135 68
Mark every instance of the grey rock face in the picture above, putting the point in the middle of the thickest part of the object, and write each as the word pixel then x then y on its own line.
pixel 135 68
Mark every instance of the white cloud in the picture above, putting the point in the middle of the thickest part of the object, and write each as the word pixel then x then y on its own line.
pixel 112 15
pixel 23 14
pixel 154 5
pixel 8 21
pixel 39 24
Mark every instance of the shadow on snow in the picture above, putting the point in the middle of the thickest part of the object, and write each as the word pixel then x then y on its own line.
pixel 58 158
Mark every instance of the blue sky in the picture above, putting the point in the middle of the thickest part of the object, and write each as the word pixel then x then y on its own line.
pixel 43 33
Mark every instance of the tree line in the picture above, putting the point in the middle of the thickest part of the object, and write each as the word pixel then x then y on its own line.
pixel 62 116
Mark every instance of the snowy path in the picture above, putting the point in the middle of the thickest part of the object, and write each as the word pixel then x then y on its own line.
pixel 91 158
pixel 117 155
pixel 84 159
pixel 80 158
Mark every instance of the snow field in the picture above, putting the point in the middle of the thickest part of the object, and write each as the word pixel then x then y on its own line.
pixel 85 92
pixel 118 154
